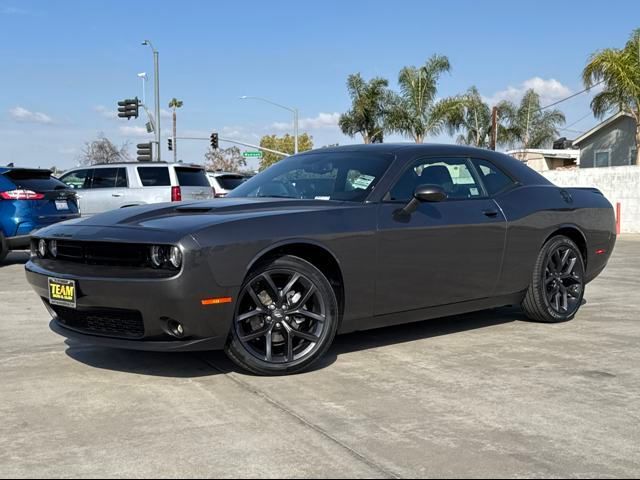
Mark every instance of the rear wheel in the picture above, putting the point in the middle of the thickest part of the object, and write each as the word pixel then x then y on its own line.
pixel 4 250
pixel 557 288
pixel 286 318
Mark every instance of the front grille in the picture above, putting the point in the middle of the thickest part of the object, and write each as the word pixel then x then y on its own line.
pixel 111 254
pixel 109 322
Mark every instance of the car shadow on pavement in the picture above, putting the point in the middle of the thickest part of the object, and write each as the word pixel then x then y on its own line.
pixel 155 364
pixel 203 364
pixel 357 341
pixel 15 258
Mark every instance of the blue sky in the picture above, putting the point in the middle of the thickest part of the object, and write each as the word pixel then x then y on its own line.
pixel 65 64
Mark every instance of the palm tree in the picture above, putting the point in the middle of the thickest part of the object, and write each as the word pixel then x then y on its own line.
pixel 619 71
pixel 475 122
pixel 529 125
pixel 175 104
pixel 415 112
pixel 369 103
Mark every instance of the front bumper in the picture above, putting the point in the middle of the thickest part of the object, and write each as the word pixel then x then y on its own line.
pixel 156 301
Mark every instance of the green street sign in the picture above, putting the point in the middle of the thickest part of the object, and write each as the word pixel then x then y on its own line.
pixel 257 154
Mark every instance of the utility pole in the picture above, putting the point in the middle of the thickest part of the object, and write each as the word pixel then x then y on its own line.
pixel 494 128
pixel 156 75
pixel 526 135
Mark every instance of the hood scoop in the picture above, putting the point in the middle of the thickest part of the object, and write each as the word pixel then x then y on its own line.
pixel 193 209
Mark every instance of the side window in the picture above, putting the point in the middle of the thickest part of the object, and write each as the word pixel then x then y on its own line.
pixel 452 174
pixel 78 179
pixel 494 179
pixel 121 178
pixel 154 176
pixel 104 178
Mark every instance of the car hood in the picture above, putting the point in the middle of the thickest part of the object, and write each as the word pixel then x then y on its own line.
pixel 172 221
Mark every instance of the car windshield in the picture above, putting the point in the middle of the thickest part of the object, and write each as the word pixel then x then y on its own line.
pixel 342 176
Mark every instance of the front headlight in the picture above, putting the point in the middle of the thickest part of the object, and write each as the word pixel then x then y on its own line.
pixel 164 256
pixel 42 248
pixel 158 256
pixel 175 257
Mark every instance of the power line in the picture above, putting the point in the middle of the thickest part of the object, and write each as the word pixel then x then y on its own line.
pixel 570 96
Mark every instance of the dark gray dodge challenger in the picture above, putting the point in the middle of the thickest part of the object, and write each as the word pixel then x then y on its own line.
pixel 330 241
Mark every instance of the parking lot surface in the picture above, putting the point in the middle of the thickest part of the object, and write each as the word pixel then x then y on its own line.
pixel 480 395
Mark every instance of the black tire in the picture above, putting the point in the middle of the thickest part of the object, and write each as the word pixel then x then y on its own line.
pixel 4 250
pixel 286 318
pixel 557 287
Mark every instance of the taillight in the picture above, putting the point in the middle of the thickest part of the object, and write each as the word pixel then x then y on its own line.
pixel 21 195
pixel 176 194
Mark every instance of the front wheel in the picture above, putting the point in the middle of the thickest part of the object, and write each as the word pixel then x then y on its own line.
pixel 557 287
pixel 286 318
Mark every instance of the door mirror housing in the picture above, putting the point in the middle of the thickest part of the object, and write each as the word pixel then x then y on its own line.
pixel 424 193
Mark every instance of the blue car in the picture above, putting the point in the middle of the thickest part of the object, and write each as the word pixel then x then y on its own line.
pixel 29 200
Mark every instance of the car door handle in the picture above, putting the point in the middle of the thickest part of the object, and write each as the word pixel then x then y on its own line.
pixel 490 213
pixel 117 195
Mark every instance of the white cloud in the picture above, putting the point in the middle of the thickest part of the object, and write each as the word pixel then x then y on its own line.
pixel 105 112
pixel 549 90
pixel 21 114
pixel 134 131
pixel 321 121
pixel 165 113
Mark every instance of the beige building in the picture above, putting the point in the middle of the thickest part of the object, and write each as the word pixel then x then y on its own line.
pixel 542 160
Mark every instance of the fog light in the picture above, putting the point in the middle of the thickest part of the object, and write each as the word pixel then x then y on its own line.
pixel 53 248
pixel 176 329
pixel 42 248
pixel 175 257
pixel 158 256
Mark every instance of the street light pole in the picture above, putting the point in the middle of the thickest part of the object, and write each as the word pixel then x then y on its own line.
pixel 292 110
pixel 156 75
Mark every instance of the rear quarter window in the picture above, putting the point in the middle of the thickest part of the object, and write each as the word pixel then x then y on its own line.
pixel 154 176
pixel 192 177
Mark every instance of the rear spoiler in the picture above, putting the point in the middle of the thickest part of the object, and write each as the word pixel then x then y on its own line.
pixel 22 173
pixel 589 189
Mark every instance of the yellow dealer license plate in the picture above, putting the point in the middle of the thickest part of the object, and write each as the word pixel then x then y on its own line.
pixel 62 292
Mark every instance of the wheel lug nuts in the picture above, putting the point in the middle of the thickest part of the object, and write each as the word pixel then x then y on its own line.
pixel 287 318
pixel 278 325
pixel 268 319
pixel 272 307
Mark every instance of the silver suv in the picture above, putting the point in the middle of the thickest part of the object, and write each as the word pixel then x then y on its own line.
pixel 101 188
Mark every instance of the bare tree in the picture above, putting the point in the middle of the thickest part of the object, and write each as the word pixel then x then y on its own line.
pixel 103 150
pixel 225 159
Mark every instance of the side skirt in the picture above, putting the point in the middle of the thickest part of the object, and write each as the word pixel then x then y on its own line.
pixel 431 313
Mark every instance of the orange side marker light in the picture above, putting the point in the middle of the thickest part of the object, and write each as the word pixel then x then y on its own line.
pixel 216 301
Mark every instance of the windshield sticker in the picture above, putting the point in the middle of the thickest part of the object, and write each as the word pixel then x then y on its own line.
pixel 363 181
pixel 323 198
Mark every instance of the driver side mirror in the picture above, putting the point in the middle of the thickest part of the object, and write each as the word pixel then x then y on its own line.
pixel 424 193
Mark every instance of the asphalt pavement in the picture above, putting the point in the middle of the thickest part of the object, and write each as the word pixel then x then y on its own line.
pixel 481 395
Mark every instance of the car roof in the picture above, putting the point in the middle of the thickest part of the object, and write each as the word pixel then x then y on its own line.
pixel 142 164
pixel 517 169
pixel 220 174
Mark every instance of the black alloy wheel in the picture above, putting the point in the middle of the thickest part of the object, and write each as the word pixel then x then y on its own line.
pixel 557 288
pixel 563 280
pixel 286 318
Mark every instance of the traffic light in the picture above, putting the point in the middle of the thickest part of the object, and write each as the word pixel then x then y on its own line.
pixel 170 144
pixel 145 152
pixel 129 108
pixel 214 141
